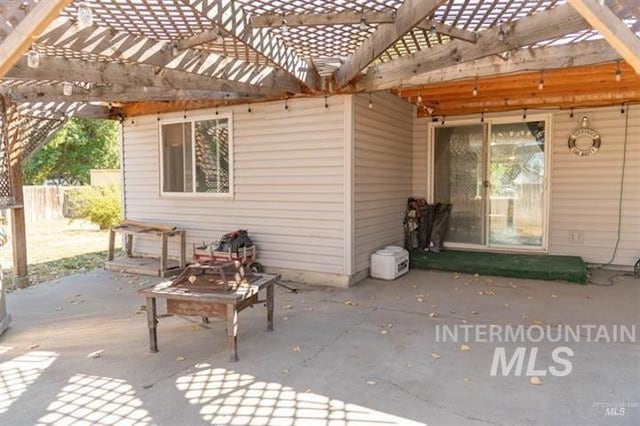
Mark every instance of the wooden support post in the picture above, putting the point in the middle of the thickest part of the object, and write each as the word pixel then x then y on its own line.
pixel 270 303
pixel 112 244
pixel 128 245
pixel 18 228
pixel 232 331
pixel 152 323
pixel 183 249
pixel 164 253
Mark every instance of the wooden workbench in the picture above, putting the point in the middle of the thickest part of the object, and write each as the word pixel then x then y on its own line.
pixel 225 306
pixel 161 266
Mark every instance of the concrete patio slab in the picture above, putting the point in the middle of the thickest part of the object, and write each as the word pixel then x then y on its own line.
pixel 367 355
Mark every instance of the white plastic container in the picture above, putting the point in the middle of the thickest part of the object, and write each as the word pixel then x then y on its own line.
pixel 389 263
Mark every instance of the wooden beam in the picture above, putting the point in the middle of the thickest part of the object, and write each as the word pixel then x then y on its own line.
pixel 347 17
pixel 107 42
pixel 61 110
pixel 230 16
pixel 198 39
pixel 616 32
pixel 21 38
pixel 47 92
pixel 59 69
pixel 449 30
pixel 521 60
pixel 545 25
pixel 559 101
pixel 408 16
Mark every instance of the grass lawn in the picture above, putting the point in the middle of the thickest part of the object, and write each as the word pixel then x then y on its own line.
pixel 59 248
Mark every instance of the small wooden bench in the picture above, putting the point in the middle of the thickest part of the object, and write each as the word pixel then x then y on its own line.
pixel 160 267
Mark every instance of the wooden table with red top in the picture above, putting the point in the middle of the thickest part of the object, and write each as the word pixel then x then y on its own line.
pixel 223 305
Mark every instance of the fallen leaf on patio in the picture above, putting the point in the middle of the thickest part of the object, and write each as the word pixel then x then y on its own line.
pixel 465 348
pixel 537 322
pixel 287 306
pixel 384 331
pixel 409 365
pixel 433 315
pixel 118 288
pixel 59 308
pixel 553 296
pixel 95 354
pixel 456 276
pixel 308 309
pixel 456 289
pixel 524 317
pixel 308 390
pixel 285 371
pixel 466 380
pixel 513 285
pixel 147 386
pixel 506 305
pixel 349 303
pixel 464 321
pixel 35 345
pixel 179 358
pixel 474 312
pixel 535 380
pixel 476 275
pixel 488 281
pixel 297 348
pixel 420 299
pixel 530 297
pixel 435 356
pixel 371 297
pixel 415 286
pixel 285 318
pixel 371 382
pixel 452 312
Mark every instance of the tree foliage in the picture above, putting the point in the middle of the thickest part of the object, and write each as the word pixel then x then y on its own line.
pixel 81 145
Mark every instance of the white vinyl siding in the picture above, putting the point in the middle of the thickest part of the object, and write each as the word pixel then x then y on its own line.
pixel 382 178
pixel 288 184
pixel 585 190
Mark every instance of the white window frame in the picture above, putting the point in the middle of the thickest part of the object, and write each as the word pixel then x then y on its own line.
pixel 191 120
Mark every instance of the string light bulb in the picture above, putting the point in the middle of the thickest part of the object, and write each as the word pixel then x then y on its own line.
pixel 284 26
pixel 618 72
pixel 622 109
pixel 571 113
pixel 541 82
pixel 443 119
pixel 33 58
pixel 474 92
pixel 370 101
pixel 524 114
pixel 85 15
pixel 326 102
pixel 286 104
pixel 482 117
pixel 501 34
pixel 363 22
pixel 419 99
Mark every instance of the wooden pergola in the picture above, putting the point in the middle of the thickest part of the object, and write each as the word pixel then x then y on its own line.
pixel 122 58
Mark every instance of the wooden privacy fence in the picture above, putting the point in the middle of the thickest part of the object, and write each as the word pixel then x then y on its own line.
pixel 43 203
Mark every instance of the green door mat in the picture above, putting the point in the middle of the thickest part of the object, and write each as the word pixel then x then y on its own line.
pixel 537 267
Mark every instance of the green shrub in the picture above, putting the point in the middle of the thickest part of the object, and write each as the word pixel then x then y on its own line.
pixel 98 204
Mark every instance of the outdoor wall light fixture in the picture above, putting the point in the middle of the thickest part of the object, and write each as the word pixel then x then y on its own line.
pixel 85 15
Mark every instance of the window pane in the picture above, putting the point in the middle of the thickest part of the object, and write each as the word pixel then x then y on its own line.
pixel 212 156
pixel 458 180
pixel 177 157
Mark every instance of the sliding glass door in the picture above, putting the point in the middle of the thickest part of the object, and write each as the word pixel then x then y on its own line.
pixel 494 175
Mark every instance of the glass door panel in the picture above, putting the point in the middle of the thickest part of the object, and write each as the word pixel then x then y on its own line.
pixel 458 177
pixel 516 174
